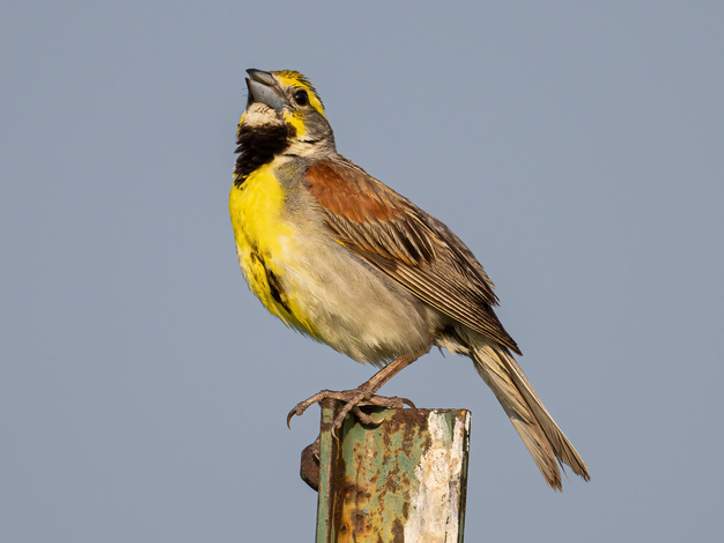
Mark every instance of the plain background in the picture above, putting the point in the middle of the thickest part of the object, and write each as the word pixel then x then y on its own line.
pixel 578 149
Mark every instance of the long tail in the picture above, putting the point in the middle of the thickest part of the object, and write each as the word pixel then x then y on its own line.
pixel 540 433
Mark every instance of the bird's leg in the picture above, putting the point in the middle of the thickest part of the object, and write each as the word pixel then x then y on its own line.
pixel 362 395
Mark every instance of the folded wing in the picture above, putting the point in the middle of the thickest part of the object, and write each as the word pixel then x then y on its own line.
pixel 407 244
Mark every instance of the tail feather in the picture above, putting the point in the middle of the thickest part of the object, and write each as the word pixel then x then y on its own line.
pixel 539 432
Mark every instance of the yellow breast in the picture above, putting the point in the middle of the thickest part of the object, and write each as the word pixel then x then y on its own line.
pixel 265 243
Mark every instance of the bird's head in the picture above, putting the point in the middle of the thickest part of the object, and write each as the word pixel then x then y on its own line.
pixel 283 109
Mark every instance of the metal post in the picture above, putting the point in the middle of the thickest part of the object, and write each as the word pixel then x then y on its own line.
pixel 401 481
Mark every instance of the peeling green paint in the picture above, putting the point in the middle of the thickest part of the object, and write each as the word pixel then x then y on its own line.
pixel 403 480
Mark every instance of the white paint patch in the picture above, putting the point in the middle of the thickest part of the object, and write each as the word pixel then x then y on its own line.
pixel 434 510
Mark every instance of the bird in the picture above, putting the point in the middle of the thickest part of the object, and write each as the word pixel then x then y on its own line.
pixel 343 258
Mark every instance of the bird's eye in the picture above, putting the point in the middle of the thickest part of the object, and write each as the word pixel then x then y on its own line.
pixel 301 97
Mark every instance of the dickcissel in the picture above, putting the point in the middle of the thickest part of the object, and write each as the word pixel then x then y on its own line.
pixel 340 256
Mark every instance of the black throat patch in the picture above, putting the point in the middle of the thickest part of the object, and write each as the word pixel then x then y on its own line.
pixel 257 146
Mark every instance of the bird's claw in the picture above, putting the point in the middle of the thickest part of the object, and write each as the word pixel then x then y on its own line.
pixel 353 400
pixel 299 409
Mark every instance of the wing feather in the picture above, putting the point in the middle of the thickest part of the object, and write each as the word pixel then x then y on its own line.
pixel 407 244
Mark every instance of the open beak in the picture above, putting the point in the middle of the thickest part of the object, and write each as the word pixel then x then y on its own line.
pixel 263 88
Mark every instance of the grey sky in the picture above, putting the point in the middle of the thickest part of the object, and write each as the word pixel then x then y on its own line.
pixel 578 150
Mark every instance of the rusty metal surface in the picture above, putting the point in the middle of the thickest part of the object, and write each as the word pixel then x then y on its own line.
pixel 401 481
pixel 309 465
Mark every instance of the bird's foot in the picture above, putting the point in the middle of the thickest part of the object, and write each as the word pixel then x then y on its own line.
pixel 353 400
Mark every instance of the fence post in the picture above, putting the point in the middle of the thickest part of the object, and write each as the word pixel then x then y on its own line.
pixel 401 481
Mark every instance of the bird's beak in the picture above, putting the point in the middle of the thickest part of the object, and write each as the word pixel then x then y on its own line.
pixel 264 88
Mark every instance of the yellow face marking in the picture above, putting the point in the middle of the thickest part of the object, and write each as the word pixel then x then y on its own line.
pixel 295 120
pixel 289 78
pixel 263 241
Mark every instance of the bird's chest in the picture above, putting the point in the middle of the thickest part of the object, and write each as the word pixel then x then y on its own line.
pixel 267 243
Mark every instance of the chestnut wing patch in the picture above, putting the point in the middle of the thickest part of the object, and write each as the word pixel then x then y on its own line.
pixel 406 244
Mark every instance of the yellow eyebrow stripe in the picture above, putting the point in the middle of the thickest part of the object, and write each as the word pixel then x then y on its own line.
pixel 289 78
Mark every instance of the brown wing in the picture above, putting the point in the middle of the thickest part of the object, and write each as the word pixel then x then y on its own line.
pixel 407 244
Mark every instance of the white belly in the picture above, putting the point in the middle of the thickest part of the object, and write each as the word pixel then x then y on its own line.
pixel 355 309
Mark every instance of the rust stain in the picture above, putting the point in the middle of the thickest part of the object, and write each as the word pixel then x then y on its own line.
pixel 373 477
pixel 398 532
